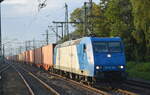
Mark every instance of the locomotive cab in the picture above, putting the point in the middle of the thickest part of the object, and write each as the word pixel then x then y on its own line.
pixel 109 58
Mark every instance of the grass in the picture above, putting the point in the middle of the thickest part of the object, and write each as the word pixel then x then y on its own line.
pixel 139 70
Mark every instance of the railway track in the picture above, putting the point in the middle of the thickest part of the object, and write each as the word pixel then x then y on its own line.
pixel 138 83
pixel 81 85
pixel 34 84
pixel 99 91
pixel 3 68
pixel 121 92
pixel 27 85
pixel 70 83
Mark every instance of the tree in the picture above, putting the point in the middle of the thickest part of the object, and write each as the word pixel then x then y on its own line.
pixel 77 16
pixel 128 19
pixel 119 14
pixel 141 14
pixel 97 20
pixel 104 4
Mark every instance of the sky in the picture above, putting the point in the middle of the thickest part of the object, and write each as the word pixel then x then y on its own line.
pixel 21 19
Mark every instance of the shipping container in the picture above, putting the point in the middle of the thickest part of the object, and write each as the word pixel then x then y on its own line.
pixel 20 57
pixel 47 54
pixel 23 57
pixel 7 57
pixel 31 59
pixel 17 58
pixel 27 56
pixel 38 56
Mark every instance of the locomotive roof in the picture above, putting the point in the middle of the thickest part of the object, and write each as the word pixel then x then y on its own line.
pixel 77 41
pixel 106 39
pixel 68 43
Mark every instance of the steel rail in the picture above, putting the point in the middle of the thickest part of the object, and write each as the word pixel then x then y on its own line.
pixel 42 82
pixel 125 92
pixel 81 85
pixel 4 68
pixel 25 82
pixel 96 90
pixel 138 83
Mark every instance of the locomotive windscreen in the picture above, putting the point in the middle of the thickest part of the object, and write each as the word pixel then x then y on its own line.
pixel 114 46
pixel 99 47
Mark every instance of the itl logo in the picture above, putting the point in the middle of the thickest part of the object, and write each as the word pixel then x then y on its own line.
pixel 109 55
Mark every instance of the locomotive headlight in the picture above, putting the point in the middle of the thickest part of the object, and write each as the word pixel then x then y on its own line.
pixel 109 55
pixel 121 67
pixel 97 67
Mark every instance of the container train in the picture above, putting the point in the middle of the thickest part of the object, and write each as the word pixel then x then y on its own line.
pixel 88 58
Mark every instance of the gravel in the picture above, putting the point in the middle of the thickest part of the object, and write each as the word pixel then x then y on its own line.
pixel 12 84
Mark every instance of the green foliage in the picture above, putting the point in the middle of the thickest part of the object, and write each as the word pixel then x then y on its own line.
pixel 141 14
pixel 119 14
pixel 77 16
pixel 139 70
pixel 98 21
pixel 120 17
pixel 128 19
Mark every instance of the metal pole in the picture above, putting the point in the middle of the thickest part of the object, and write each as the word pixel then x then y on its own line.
pixel 91 7
pixel 56 33
pixel 66 20
pixel 3 53
pixel 20 49
pixel 26 48
pixel 91 13
pixel 47 37
pixel 85 20
pixel 62 31
pixel 3 50
pixel 0 34
pixel 34 44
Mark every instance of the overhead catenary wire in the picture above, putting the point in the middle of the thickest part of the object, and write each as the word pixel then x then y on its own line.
pixel 35 17
pixel 48 35
pixel 41 4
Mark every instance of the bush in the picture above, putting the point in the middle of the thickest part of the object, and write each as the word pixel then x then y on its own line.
pixel 139 70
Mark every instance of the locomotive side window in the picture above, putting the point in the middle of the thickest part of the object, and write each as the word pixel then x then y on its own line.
pixel 84 47
pixel 114 46
pixel 100 47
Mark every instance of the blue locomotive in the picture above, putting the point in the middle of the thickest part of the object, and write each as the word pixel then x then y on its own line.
pixel 91 58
